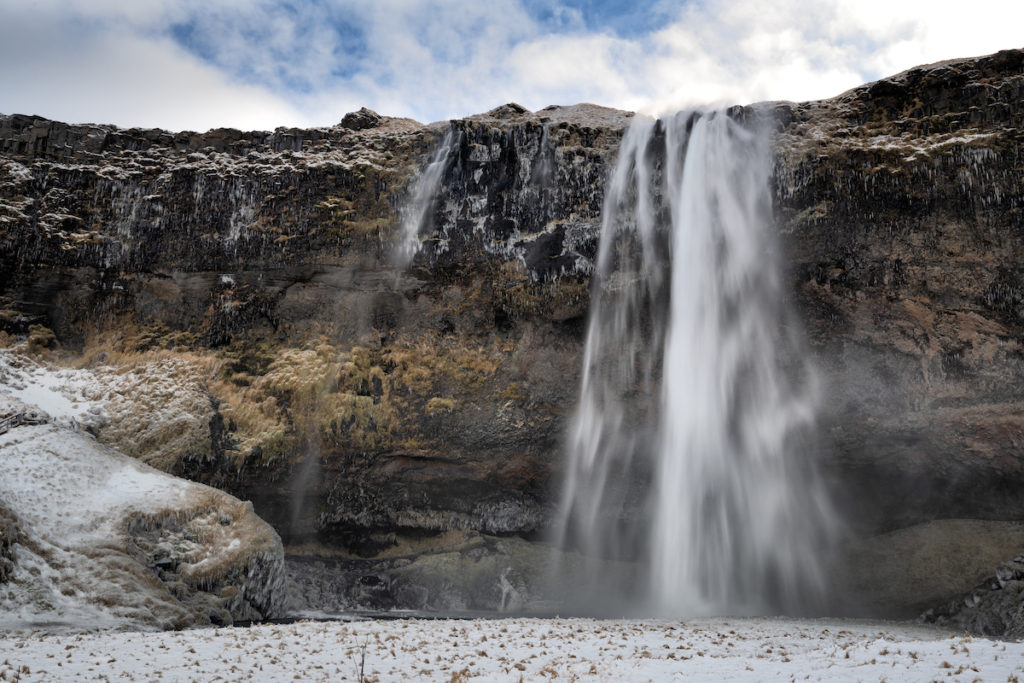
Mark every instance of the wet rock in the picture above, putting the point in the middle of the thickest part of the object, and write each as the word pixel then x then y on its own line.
pixel 899 206
pixel 468 572
pixel 902 573
pixel 995 607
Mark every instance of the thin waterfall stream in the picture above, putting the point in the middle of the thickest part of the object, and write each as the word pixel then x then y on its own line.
pixel 691 483
pixel 416 215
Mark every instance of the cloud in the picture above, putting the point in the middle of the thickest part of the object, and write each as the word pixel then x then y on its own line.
pixel 263 63
pixel 104 72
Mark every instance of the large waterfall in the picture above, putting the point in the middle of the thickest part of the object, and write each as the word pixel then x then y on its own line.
pixel 690 473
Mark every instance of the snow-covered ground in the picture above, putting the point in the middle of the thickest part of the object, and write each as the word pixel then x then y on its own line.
pixel 525 649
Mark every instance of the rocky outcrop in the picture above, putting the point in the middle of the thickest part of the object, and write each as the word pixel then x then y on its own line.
pixel 362 119
pixel 94 539
pixel 360 405
pixel 992 608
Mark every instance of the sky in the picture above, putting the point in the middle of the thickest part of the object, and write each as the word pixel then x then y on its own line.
pixel 260 64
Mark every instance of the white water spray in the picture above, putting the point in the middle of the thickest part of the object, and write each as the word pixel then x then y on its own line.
pixel 689 455
pixel 416 214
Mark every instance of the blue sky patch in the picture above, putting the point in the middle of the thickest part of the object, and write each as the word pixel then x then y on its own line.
pixel 624 19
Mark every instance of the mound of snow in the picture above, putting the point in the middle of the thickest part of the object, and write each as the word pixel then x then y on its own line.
pixel 95 539
pixel 68 396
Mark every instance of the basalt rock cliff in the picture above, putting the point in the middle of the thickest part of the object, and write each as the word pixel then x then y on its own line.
pixel 378 413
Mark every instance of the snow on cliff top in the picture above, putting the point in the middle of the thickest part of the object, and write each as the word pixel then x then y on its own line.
pixel 584 115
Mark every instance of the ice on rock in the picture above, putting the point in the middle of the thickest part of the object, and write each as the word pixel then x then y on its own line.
pixel 63 394
pixel 105 541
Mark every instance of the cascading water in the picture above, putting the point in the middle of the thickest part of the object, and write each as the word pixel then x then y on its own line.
pixel 416 214
pixel 689 471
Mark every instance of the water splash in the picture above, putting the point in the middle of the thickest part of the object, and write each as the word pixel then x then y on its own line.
pixel 303 501
pixel 417 214
pixel 689 454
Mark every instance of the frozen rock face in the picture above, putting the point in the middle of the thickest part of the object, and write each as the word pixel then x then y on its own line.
pixel 91 538
pixel 525 188
pixel 359 405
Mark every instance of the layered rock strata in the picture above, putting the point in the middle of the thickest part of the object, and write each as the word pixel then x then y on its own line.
pixel 426 399
pixel 902 204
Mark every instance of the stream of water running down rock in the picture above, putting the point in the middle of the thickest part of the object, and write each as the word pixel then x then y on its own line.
pixel 416 215
pixel 690 455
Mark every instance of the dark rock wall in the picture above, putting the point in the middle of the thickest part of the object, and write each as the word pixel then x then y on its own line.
pixel 442 391
pixel 525 187
pixel 903 202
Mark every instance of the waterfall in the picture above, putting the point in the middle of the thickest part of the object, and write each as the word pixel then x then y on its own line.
pixel 417 213
pixel 690 473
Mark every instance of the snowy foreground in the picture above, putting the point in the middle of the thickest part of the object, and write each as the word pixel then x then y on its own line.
pixel 520 649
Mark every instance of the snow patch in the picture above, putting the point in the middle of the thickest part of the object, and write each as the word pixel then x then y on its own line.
pixel 71 397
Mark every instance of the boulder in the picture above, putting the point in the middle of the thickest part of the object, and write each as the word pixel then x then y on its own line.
pixel 95 539
pixel 361 120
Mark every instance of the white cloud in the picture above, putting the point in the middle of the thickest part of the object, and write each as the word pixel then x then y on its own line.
pixel 442 59
pixel 88 74
pixel 566 70
pixel 260 63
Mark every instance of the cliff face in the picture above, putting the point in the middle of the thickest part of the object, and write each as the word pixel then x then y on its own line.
pixel 361 405
pixel 903 203
pixel 370 396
